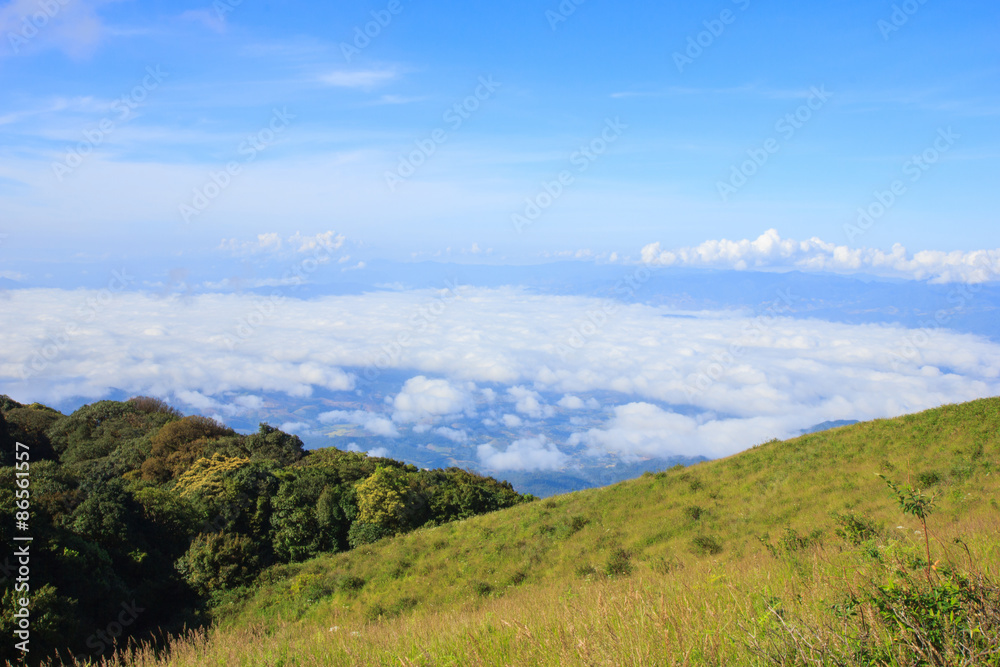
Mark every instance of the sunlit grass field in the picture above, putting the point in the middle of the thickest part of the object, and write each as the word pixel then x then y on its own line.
pixel 738 561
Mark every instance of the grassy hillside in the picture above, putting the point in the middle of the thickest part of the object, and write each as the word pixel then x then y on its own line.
pixel 773 556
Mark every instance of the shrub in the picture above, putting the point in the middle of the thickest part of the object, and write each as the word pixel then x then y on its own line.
pixel 855 528
pixel 706 545
pixel 693 512
pixel 216 561
pixel 350 583
pixel 374 612
pixel 619 563
pixel 928 478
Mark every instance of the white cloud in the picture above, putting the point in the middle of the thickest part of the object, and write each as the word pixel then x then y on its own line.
pixel 529 402
pixel 377 452
pixel 370 421
pixel 455 435
pixel 527 454
pixel 794 373
pixel 645 430
pixel 512 421
pixel 571 402
pixel 296 428
pixel 358 78
pixel 271 243
pixel 770 251
pixel 425 399
pixel 72 27
pixel 249 401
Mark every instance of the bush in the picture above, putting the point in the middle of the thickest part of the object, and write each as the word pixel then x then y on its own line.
pixel 693 512
pixel 350 583
pixel 706 545
pixel 619 563
pixel 217 561
pixel 855 528
pixel 928 478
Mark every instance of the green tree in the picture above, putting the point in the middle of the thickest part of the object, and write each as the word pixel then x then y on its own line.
pixel 220 561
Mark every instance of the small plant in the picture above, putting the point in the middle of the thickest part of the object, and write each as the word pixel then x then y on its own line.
pixel 928 478
pixel 855 528
pixel 706 545
pixel 791 541
pixel 374 612
pixel 619 563
pixel 482 588
pixel 915 503
pixel 518 578
pixel 402 605
pixel 666 565
pixel 571 526
pixel 350 583
pixel 585 571
pixel 693 512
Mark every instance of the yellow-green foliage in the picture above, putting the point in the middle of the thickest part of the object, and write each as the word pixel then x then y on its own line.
pixel 717 564
pixel 381 497
pixel 205 477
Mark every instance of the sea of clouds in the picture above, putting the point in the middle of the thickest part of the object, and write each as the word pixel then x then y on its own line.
pixel 659 382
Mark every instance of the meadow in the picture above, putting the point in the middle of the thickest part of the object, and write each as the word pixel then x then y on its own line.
pixel 791 553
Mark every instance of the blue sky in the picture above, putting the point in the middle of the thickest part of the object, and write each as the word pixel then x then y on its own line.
pixel 170 173
pixel 557 84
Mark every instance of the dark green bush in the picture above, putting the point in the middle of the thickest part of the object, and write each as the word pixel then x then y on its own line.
pixel 693 512
pixel 706 545
pixel 619 563
pixel 929 478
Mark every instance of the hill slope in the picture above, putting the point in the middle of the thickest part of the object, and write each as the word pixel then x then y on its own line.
pixel 723 562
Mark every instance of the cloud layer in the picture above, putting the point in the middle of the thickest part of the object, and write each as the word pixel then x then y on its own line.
pixel 770 251
pixel 706 383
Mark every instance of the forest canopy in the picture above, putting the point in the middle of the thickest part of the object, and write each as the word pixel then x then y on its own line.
pixel 135 506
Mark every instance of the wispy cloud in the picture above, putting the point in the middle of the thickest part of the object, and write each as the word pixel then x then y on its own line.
pixel 358 78
pixel 75 28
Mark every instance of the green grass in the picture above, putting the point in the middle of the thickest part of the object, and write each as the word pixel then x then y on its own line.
pixel 701 565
